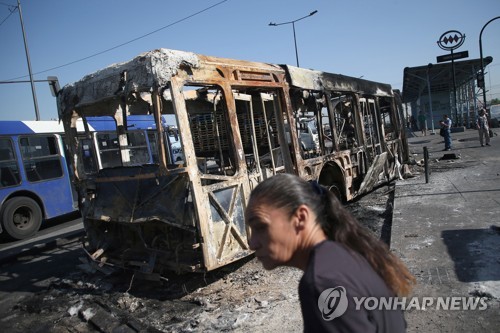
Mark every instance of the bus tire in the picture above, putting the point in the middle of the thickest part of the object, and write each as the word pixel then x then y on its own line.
pixel 21 217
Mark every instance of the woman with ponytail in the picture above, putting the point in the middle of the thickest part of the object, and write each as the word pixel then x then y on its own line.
pixel 301 224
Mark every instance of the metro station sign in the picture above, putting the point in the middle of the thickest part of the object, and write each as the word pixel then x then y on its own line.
pixel 451 40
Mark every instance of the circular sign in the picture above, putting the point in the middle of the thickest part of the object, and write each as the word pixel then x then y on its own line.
pixel 451 40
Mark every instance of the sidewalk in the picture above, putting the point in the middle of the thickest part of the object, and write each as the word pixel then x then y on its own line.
pixel 447 231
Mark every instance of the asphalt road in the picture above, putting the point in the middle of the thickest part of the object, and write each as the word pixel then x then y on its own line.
pixel 68 226
pixel 29 266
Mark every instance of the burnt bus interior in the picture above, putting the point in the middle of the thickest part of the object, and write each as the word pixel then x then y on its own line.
pixel 152 210
pixel 358 136
pixel 210 127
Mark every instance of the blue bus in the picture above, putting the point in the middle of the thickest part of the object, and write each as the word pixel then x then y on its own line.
pixel 140 147
pixel 35 181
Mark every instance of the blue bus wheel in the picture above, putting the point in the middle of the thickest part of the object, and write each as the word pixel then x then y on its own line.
pixel 22 217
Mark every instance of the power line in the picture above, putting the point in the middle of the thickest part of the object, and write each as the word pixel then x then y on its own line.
pixel 12 11
pixel 125 43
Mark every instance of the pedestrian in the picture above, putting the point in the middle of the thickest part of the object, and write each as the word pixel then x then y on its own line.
pixel 446 126
pixel 483 128
pixel 422 122
pixel 301 224
pixel 413 123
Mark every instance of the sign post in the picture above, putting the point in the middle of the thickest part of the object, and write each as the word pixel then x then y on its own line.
pixel 449 41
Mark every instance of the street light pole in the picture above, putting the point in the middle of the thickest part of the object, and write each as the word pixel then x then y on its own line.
pixel 481 55
pixel 294 35
pixel 295 42
pixel 37 113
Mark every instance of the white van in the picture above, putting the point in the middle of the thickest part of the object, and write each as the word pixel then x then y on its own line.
pixel 309 135
pixel 177 154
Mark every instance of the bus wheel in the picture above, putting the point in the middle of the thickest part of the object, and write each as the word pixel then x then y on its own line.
pixel 335 189
pixel 21 217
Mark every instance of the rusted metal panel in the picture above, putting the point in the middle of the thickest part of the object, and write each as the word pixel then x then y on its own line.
pixel 372 176
pixel 134 199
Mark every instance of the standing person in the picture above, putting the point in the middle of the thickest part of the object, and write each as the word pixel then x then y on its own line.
pixel 422 122
pixel 446 125
pixel 413 123
pixel 300 224
pixel 483 128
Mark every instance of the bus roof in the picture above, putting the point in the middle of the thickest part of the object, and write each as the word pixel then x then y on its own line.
pixel 317 80
pixel 15 127
pixel 150 69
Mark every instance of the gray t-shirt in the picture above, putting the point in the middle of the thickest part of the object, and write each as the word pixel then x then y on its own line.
pixel 333 265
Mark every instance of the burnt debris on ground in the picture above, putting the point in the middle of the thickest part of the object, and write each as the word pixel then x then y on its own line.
pixel 242 296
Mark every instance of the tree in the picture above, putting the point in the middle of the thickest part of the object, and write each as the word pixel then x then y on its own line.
pixel 495 101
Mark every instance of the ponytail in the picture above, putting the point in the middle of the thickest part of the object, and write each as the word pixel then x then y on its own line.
pixel 288 191
pixel 340 226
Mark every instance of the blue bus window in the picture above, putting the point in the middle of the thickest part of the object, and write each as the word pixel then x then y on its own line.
pixel 9 171
pixel 40 158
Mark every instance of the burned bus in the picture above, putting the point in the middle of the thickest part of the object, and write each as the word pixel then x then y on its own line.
pixel 238 123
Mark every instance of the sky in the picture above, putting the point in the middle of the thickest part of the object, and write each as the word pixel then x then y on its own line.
pixel 374 40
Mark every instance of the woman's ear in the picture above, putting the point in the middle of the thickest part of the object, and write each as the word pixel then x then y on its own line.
pixel 301 217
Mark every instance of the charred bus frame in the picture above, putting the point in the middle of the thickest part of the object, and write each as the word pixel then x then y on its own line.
pixel 238 122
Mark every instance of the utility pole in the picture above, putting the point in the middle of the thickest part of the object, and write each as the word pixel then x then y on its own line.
pixel 429 66
pixel 449 41
pixel 33 91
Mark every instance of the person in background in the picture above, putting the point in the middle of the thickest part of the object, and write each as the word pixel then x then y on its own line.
pixel 446 125
pixel 301 224
pixel 483 128
pixel 422 122
pixel 413 123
